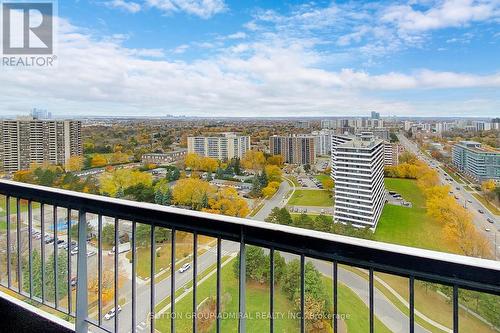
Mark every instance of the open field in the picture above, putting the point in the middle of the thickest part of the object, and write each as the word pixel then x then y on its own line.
pixel 311 198
pixel 409 226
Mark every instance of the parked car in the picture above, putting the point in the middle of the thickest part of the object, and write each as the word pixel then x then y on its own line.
pixel 481 211
pixel 185 267
pixel 61 243
pixel 91 253
pixel 49 240
pixel 487 229
pixel 111 313
pixel 74 251
pixel 490 220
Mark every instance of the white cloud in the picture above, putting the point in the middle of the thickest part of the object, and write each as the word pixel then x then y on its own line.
pixel 180 49
pixel 447 13
pixel 101 76
pixel 202 8
pixel 237 35
pixel 128 6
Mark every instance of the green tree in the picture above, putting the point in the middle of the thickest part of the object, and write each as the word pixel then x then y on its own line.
pixel 257 264
pixel 62 275
pixel 108 234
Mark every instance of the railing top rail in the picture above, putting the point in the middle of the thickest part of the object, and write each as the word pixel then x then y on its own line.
pixel 469 272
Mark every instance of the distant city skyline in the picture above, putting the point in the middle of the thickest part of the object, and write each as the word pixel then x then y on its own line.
pixel 229 58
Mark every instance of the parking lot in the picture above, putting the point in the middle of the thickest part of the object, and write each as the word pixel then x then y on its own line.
pixel 395 198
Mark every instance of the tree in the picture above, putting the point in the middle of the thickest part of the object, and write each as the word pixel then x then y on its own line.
pixel 322 223
pixel 227 202
pixel 256 187
pixel 172 174
pixel 263 179
pixel 273 173
pixel 304 221
pixel 328 184
pixel 190 192
pixel 111 182
pixel 270 189
pixel 74 230
pixel 277 160
pixel 407 157
pixel 257 264
pixel 108 234
pixel 488 187
pixel 98 161
pixel 279 216
pixel 140 192
pixel 48 266
pixel 253 160
pixel 74 163
pixel 167 197
pixel 192 161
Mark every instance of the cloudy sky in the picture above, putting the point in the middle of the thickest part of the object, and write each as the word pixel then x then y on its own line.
pixel 266 58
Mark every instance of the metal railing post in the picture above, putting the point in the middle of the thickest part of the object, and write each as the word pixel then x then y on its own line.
pixel 81 325
pixel 242 285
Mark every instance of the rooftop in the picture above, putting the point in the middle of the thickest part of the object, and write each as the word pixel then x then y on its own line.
pixel 360 144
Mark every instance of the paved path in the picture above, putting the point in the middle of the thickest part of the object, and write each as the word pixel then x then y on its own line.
pixel 276 201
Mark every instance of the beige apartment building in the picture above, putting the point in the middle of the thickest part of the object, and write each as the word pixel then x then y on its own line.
pixel 223 147
pixel 296 149
pixel 26 140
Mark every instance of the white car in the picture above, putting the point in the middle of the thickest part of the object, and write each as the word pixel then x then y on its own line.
pixel 91 253
pixel 184 268
pixel 111 313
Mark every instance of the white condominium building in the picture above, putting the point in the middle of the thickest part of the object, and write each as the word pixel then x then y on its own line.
pixel 222 147
pixel 26 140
pixel 323 142
pixel 358 170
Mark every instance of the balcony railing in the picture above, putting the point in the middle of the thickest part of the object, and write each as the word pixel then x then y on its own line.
pixel 37 218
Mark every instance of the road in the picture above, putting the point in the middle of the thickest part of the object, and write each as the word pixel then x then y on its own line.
pixel 464 197
pixel 276 201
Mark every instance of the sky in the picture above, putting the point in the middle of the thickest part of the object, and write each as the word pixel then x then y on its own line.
pixel 266 58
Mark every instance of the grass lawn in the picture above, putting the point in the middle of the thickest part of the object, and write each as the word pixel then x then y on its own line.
pixel 312 216
pixel 357 314
pixel 428 302
pixel 320 198
pixel 322 177
pixel 257 302
pixel 294 181
pixel 182 250
pixel 492 208
pixel 410 226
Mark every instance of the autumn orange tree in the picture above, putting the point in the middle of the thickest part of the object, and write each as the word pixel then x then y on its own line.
pixel 227 202
pixel 253 160
pixel 74 163
pixel 194 193
pixel 98 161
pixel 114 181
